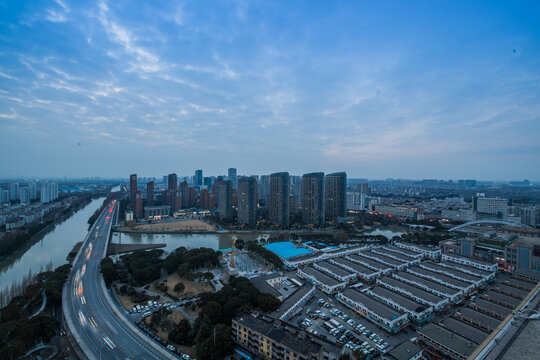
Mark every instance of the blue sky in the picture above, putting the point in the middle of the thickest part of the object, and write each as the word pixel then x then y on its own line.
pixel 431 89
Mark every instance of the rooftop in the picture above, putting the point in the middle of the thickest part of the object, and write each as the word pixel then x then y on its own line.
pixel 429 283
pixel 384 259
pixel 291 300
pixel 407 303
pixel 434 299
pixel 376 306
pixel 357 267
pixel 462 328
pixel 402 257
pixel 491 306
pixel 444 278
pixel 478 316
pixel 286 249
pixel 371 262
pixel 403 351
pixel 502 297
pixel 333 268
pixel 512 290
pixel 481 262
pixel 448 339
pixel 320 276
pixel 460 274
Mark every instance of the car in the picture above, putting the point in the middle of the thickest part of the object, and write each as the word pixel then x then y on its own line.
pixel 186 357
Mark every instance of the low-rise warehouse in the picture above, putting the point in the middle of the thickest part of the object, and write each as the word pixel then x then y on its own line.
pixel 520 284
pixel 444 343
pixel 456 274
pixel 370 263
pixel 396 255
pixel 324 282
pixel 511 291
pixel 334 271
pixel 488 275
pixel 404 351
pixel 459 259
pixel 417 312
pixel 452 294
pixel 375 311
pixel 404 251
pixel 464 329
pixel 396 264
pixel 442 279
pixel 490 308
pixel 362 271
pixel 294 303
pixel 422 296
pixel 431 253
pixel 477 318
pixel 501 299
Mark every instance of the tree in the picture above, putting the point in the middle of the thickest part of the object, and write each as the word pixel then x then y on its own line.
pixel 108 270
pixel 214 311
pixel 180 333
pixel 345 356
pixel 217 345
pixel 178 288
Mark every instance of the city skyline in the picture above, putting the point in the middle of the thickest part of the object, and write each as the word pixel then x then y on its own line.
pixel 403 90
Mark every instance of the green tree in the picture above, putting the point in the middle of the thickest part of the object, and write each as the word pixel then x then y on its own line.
pixel 108 270
pixel 178 288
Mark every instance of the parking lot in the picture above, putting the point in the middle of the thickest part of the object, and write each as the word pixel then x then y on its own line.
pixel 325 316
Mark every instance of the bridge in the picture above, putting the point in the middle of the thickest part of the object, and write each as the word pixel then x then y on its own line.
pixel 498 222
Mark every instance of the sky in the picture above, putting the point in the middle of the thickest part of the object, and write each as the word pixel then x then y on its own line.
pixel 403 89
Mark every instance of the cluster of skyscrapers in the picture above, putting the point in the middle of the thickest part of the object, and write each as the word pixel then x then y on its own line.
pixel 46 191
pixel 318 197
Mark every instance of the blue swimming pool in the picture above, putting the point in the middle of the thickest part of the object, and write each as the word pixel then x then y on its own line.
pixel 286 249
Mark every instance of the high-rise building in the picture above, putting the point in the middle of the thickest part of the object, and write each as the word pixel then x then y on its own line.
pixel 485 208
pixel 172 187
pixel 198 178
pixel 132 191
pixel 264 187
pixel 150 193
pixel 278 203
pixel 32 186
pixel 44 194
pixel 4 196
pixel 13 191
pixel 24 194
pixel 225 199
pixel 247 201
pixel 193 197
pixel 208 181
pixel 138 209
pixel 184 191
pixel 335 195
pixel 231 175
pixel 313 198
pixel 204 201
pixel 362 188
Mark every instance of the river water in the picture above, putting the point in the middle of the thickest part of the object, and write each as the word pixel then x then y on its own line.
pixel 53 247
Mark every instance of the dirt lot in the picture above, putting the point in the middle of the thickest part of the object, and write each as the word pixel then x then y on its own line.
pixel 175 316
pixel 181 225
pixel 192 288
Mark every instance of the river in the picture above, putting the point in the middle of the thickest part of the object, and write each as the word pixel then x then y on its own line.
pixel 53 247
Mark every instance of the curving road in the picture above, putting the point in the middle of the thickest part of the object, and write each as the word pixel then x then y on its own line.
pixel 100 329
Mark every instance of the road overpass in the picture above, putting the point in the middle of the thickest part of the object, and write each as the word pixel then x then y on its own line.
pixel 97 328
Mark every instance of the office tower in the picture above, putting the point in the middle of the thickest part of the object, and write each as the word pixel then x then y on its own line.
pixel 53 190
pixel 44 195
pixel 137 210
pixel 313 198
pixel 335 195
pixel 193 197
pixel 231 175
pixel 215 191
pixel 198 178
pixel 362 188
pixel 4 198
pixel 172 187
pixel 32 188
pixel 296 186
pixel 132 191
pixel 208 181
pixel 150 193
pixel 13 191
pixel 225 199
pixel 24 194
pixel 489 208
pixel 278 203
pixel 165 180
pixel 184 191
pixel 247 201
pixel 177 199
pixel 264 187
pixel 204 201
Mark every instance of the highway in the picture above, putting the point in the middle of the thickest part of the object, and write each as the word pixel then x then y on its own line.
pixel 100 329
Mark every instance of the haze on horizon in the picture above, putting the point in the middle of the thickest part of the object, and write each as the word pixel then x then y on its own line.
pixel 445 89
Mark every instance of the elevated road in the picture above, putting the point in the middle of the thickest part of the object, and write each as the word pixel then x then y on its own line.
pixel 98 327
